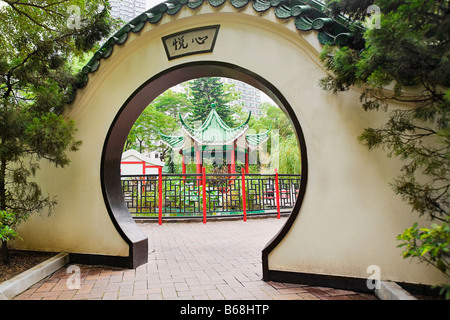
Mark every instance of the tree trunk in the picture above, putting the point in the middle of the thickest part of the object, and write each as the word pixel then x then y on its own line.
pixel 5 252
pixel 2 184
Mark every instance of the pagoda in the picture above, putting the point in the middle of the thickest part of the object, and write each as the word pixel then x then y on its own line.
pixel 215 139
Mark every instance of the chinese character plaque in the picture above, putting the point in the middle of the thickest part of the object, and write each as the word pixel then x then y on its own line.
pixel 192 41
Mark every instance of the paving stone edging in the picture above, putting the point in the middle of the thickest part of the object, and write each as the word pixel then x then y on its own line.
pixel 392 291
pixel 11 288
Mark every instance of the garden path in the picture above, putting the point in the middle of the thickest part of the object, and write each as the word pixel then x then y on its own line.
pixel 190 261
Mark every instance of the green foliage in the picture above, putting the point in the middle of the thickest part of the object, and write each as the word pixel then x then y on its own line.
pixel 189 197
pixel 272 117
pixel 172 103
pixel 430 245
pixel 410 53
pixel 36 84
pixel 356 10
pixel 344 64
pixel 285 156
pixel 7 232
pixel 434 241
pixel 289 160
pixel 160 116
pixel 207 91
pixel 7 221
pixel 144 133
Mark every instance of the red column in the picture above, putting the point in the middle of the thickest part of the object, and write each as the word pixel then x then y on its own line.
pixel 233 158
pixel 183 166
pixel 244 202
pixel 160 196
pixel 277 193
pixel 204 193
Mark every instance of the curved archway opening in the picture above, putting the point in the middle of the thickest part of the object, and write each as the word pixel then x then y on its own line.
pixel 240 137
pixel 135 105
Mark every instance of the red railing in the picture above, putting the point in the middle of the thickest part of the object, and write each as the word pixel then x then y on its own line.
pixel 166 196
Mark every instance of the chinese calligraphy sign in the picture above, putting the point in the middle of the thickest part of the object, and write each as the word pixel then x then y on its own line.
pixel 192 41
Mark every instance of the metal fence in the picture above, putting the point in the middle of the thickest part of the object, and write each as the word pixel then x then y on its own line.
pixel 166 196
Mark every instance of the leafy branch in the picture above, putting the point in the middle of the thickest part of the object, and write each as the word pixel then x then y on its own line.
pixel 405 62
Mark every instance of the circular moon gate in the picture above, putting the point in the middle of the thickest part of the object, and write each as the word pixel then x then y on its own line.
pixel 349 218
pixel 140 99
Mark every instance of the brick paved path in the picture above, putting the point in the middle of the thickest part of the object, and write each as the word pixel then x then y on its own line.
pixel 189 261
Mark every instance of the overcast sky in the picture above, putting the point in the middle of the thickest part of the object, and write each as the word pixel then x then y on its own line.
pixel 152 3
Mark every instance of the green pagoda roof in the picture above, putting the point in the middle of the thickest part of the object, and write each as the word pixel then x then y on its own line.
pixel 214 131
pixel 257 139
pixel 175 142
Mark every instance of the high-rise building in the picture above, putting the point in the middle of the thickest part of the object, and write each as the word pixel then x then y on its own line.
pixel 127 9
pixel 250 97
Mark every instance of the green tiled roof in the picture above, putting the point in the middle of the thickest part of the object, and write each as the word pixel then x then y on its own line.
pixel 307 14
pixel 174 142
pixel 255 140
pixel 214 131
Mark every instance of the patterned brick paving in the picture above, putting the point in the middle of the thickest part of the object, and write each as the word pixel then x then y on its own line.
pixel 190 261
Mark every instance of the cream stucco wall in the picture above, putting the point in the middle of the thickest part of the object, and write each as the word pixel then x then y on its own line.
pixel 349 218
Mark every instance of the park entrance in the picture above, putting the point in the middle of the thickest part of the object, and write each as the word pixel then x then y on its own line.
pixel 345 218
pixel 165 196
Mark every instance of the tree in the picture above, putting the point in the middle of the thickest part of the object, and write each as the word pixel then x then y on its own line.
pixel 172 104
pixel 272 117
pixel 161 115
pixel 285 156
pixel 36 83
pixel 144 135
pixel 409 52
pixel 206 91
